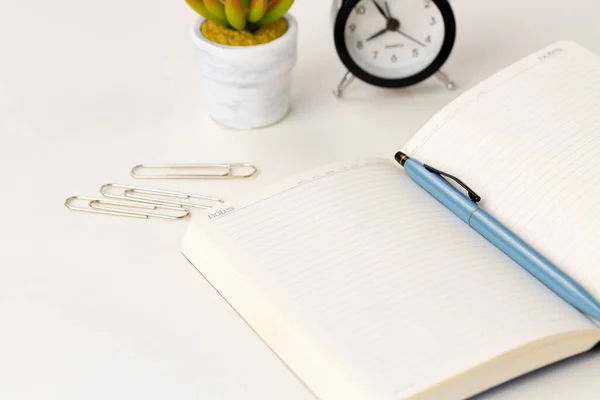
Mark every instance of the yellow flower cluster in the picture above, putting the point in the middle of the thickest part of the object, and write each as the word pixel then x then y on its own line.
pixel 222 34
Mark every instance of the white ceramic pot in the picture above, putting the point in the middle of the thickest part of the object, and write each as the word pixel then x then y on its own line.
pixel 247 87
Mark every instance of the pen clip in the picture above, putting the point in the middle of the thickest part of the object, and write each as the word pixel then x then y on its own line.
pixel 472 195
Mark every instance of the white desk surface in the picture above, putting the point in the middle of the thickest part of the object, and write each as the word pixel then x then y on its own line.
pixel 95 307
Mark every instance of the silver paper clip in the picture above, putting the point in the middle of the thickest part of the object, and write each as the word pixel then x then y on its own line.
pixel 134 193
pixel 220 171
pixel 125 208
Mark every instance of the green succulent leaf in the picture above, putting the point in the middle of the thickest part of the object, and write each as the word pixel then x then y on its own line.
pixel 200 8
pixel 257 10
pixel 236 15
pixel 216 8
pixel 277 9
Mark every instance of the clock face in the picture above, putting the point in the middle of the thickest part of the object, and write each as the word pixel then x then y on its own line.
pixel 395 42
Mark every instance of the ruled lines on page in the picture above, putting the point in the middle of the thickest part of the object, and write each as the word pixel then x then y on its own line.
pixel 304 181
pixel 383 279
pixel 531 148
pixel 509 78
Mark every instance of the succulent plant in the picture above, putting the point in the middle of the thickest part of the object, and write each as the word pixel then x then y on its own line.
pixel 241 14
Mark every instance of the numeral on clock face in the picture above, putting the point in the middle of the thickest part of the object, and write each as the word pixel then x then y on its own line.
pixel 393 39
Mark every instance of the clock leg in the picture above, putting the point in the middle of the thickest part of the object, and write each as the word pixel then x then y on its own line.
pixel 344 83
pixel 445 79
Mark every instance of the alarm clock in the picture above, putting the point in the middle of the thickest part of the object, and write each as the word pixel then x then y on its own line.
pixel 393 43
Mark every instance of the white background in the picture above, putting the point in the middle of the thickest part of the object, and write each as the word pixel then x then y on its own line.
pixel 95 307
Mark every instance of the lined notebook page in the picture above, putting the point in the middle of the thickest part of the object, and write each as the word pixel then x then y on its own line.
pixel 528 141
pixel 380 278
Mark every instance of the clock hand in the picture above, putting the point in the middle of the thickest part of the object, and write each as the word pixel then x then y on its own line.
pixel 409 37
pixel 381 9
pixel 381 32
pixel 387 8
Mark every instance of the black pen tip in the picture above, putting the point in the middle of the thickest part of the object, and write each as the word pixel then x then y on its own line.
pixel 401 157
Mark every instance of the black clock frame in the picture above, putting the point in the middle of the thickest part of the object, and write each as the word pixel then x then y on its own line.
pixel 339 32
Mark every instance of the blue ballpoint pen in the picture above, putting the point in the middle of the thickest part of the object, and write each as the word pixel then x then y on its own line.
pixel 467 209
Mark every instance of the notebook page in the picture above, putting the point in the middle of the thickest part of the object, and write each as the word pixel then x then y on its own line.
pixel 576 378
pixel 528 141
pixel 381 279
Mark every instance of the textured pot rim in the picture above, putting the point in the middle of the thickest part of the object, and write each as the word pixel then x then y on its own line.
pixel 200 40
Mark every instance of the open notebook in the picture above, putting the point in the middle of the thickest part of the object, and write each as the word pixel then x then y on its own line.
pixel 575 378
pixel 368 288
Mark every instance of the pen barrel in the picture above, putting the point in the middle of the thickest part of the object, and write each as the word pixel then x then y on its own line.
pixel 531 260
pixel 501 237
pixel 441 189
